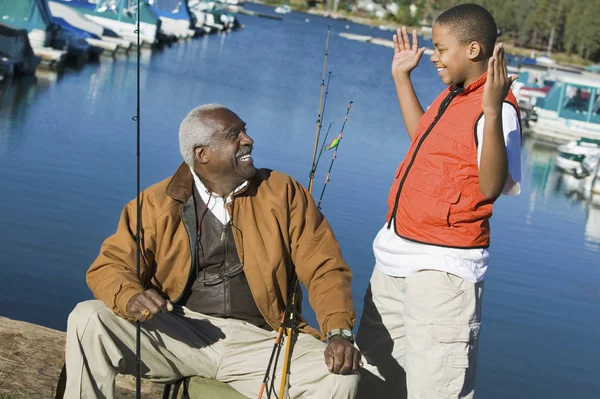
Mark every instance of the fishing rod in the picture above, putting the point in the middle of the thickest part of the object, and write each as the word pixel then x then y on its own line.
pixel 285 374
pixel 311 175
pixel 321 123
pixel 288 313
pixel 291 300
pixel 138 228
pixel 324 142
pixel 334 145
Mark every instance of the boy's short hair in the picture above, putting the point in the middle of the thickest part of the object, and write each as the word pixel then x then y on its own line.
pixel 471 22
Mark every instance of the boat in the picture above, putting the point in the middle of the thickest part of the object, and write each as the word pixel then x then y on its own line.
pixel 16 55
pixel 283 9
pixel 79 51
pixel 212 16
pixel 534 83
pixel 94 33
pixel 175 17
pixel 544 60
pixel 35 17
pixel 571 155
pixel 570 110
pixel 120 16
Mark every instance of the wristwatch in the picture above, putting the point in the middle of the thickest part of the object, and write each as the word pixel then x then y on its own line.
pixel 341 332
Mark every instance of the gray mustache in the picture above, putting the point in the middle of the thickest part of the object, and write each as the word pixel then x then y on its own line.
pixel 244 151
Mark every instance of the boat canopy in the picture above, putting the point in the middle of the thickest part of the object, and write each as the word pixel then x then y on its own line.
pixel 574 98
pixel 176 9
pixel 119 10
pixel 26 14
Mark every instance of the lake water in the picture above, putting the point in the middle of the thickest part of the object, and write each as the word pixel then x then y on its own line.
pixel 67 166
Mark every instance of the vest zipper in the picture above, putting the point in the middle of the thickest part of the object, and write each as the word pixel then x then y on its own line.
pixel 226 280
pixel 443 106
pixel 193 246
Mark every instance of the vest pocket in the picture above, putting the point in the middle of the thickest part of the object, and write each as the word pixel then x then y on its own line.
pixel 431 197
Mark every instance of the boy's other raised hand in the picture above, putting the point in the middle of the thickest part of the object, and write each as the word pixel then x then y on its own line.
pixel 406 55
pixel 498 82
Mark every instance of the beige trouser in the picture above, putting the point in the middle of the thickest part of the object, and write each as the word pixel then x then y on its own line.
pixel 183 343
pixel 420 334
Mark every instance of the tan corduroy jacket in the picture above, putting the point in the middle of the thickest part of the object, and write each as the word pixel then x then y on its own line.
pixel 277 228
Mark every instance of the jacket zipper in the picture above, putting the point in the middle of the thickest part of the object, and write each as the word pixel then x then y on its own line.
pixel 443 106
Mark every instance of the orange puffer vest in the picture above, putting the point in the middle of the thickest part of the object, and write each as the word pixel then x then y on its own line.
pixel 435 198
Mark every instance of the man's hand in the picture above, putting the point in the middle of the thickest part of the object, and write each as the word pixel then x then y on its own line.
pixel 145 305
pixel 341 356
pixel 498 83
pixel 406 56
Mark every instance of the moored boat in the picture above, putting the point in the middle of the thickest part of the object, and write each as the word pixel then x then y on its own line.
pixel 35 17
pixel 16 54
pixel 175 17
pixel 92 32
pixel 121 17
pixel 570 110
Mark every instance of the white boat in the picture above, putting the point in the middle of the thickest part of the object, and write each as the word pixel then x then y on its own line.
pixel 79 21
pixel 572 154
pixel 283 9
pixel 121 17
pixel 570 110
pixel 544 60
pixel 174 17
pixel 212 16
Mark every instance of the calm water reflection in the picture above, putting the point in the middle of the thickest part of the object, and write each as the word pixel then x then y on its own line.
pixel 67 159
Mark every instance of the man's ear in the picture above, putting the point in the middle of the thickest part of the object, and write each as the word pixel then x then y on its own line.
pixel 202 154
pixel 474 51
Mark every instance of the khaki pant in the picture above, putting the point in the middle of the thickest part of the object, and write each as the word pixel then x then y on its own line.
pixel 183 343
pixel 419 336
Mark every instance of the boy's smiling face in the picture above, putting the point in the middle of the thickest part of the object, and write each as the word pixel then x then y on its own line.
pixel 452 59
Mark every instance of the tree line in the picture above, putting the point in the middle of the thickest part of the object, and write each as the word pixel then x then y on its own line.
pixel 569 26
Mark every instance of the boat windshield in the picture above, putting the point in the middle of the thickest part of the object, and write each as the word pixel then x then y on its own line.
pixel 574 102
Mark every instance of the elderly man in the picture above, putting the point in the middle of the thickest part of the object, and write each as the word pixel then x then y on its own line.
pixel 221 243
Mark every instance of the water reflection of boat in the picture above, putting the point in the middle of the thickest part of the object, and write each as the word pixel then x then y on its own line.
pixel 571 154
pixel 582 189
pixel 592 220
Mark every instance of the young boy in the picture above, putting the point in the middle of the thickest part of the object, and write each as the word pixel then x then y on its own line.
pixel 422 311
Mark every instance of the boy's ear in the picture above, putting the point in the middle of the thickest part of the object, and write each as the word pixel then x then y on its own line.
pixel 202 154
pixel 474 51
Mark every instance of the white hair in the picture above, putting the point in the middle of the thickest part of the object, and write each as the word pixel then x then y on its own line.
pixel 193 132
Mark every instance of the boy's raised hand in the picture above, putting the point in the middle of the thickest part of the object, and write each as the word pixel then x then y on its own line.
pixel 406 56
pixel 498 82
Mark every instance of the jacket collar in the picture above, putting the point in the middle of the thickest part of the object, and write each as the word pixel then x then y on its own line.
pixel 473 86
pixel 181 186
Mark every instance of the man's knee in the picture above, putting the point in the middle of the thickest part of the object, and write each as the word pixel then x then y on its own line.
pixel 346 386
pixel 85 313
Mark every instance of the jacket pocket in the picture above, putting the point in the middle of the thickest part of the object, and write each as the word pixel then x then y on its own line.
pixel 431 198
